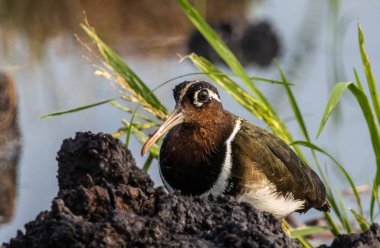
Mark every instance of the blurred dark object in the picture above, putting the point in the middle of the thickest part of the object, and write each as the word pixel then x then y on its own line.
pixel 140 27
pixel 371 238
pixel 259 44
pixel 9 147
pixel 198 44
pixel 251 43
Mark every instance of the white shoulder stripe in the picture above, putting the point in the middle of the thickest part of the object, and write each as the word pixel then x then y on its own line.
pixel 221 184
pixel 166 184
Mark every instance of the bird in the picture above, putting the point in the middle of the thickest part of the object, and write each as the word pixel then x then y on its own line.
pixel 210 151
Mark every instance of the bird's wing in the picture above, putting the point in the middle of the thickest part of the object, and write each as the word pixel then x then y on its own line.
pixel 270 155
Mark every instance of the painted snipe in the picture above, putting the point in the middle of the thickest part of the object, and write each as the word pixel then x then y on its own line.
pixel 208 150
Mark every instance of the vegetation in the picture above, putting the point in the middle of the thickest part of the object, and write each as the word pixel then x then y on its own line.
pixel 254 101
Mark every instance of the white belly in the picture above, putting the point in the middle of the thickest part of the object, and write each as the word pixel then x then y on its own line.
pixel 265 199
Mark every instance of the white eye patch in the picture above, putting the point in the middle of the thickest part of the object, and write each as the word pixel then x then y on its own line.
pixel 211 95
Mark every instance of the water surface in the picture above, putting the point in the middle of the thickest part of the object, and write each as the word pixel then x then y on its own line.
pixel 38 49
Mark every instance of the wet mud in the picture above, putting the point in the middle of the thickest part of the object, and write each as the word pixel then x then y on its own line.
pixel 105 200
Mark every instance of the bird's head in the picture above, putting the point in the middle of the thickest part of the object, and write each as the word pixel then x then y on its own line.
pixel 197 104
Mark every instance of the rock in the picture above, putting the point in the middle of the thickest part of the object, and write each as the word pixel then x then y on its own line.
pixel 104 200
pixel 371 238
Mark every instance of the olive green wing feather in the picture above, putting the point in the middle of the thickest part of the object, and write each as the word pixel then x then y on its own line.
pixel 280 164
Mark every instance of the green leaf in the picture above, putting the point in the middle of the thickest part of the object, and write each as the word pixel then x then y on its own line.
pixel 369 75
pixel 339 213
pixel 294 104
pixel 76 109
pixel 128 110
pixel 135 85
pixel 259 79
pixel 358 79
pixel 365 106
pixel 346 221
pixel 141 137
pixel 128 134
pixel 271 81
pixel 246 100
pixel 308 230
pixel 364 226
pixel 335 96
pixel 334 227
pixel 221 49
pixel 304 242
pixel 148 162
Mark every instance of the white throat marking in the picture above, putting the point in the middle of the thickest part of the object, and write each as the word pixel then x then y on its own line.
pixel 221 183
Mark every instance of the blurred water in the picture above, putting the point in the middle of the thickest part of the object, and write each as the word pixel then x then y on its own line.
pixel 57 77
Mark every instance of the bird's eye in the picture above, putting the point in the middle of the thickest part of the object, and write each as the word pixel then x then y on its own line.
pixel 203 96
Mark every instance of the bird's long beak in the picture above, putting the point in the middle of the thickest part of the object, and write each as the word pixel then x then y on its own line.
pixel 175 118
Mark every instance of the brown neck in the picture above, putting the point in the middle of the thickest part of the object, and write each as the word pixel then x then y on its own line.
pixel 212 132
pixel 192 165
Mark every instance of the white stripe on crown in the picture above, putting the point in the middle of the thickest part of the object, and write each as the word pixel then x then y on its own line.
pixel 211 93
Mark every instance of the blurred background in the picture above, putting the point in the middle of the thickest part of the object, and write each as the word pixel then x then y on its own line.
pixel 43 68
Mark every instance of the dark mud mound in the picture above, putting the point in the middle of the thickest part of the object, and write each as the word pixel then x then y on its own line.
pixel 371 238
pixel 106 201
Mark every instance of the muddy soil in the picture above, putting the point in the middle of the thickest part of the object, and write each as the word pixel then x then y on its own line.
pixel 105 200
pixel 370 238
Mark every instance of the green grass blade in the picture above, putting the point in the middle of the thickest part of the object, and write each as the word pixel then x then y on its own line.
pixel 369 75
pixel 374 198
pixel 231 87
pixel 144 125
pixel 293 104
pixel 258 79
pixel 307 230
pixel 340 167
pixel 302 125
pixel 128 134
pixel 370 119
pixel 141 137
pixel 76 109
pixel 375 138
pixel 337 210
pixel 364 226
pixel 128 110
pixel 358 79
pixel 346 223
pixel 137 86
pixel 272 119
pixel 301 239
pixel 221 49
pixel 148 162
pixel 304 242
pixel 334 227
pixel 335 96
pixel 253 105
